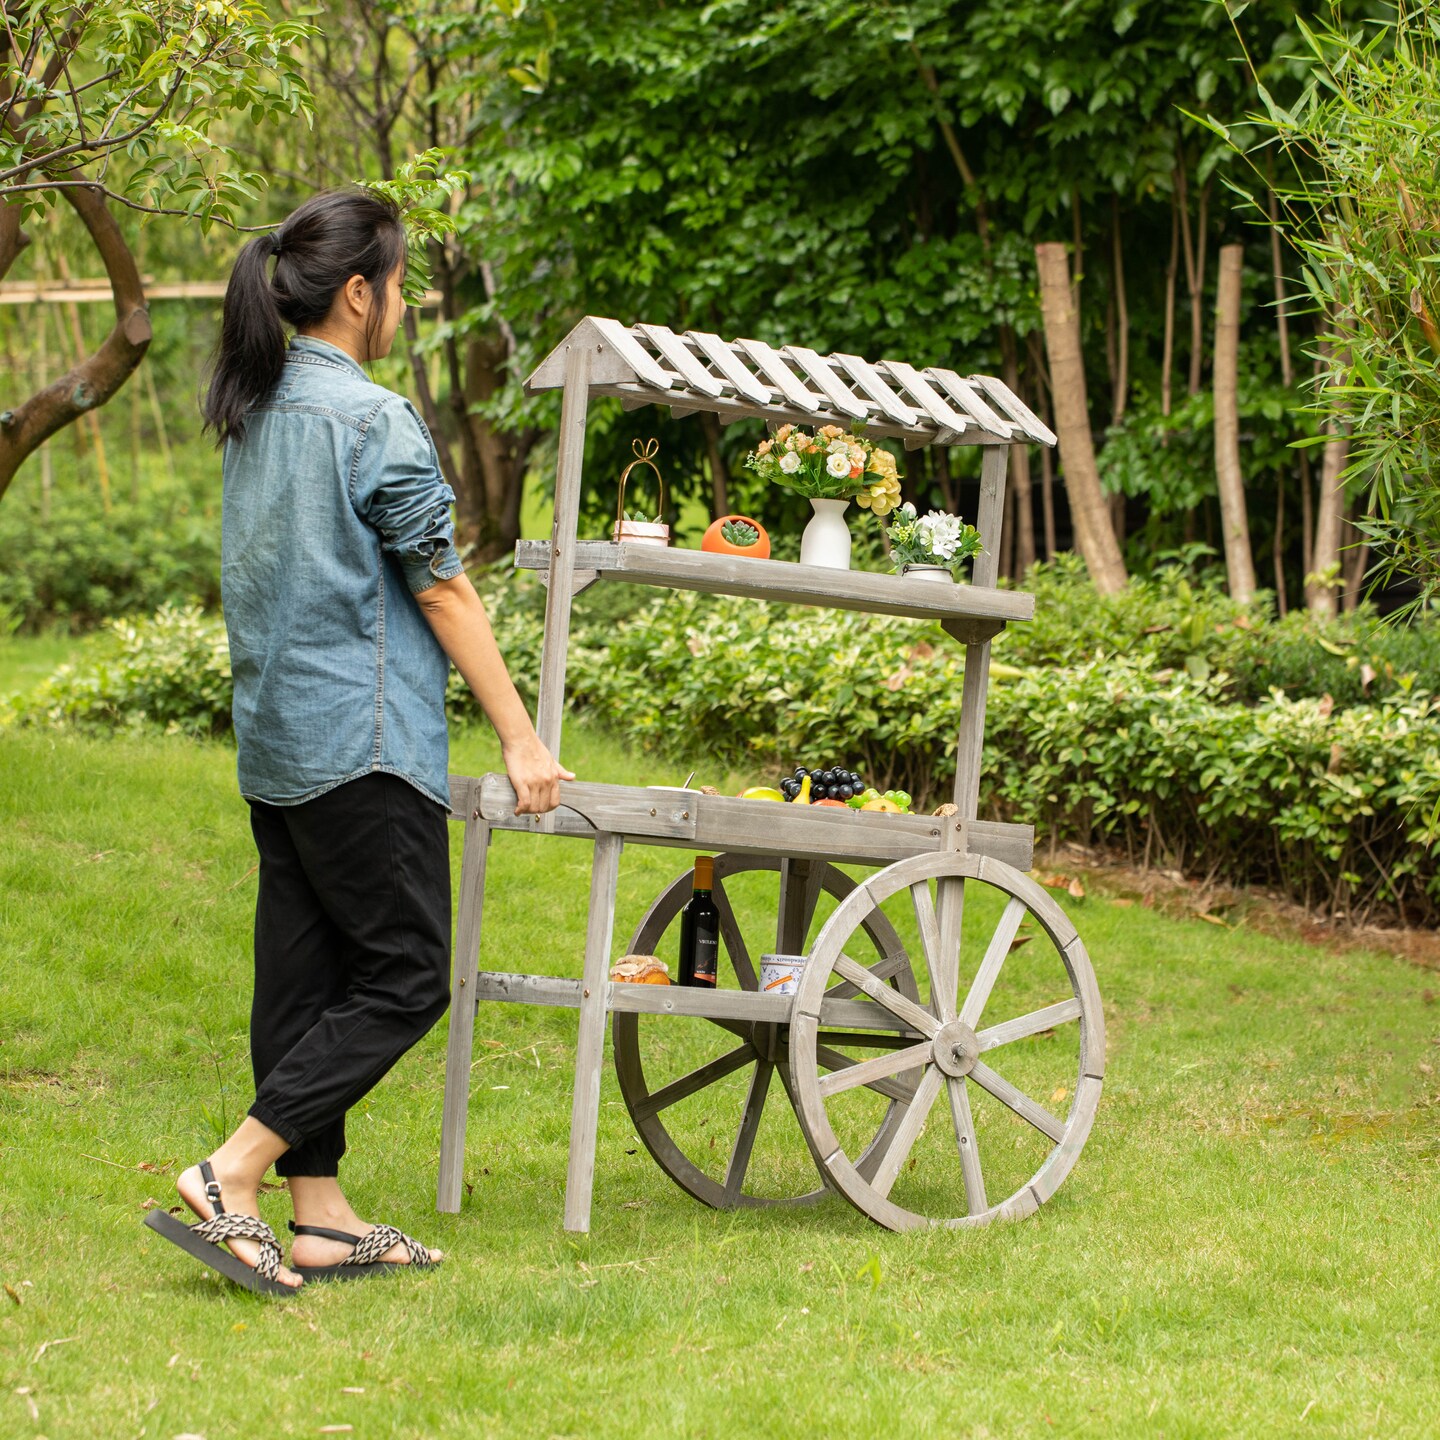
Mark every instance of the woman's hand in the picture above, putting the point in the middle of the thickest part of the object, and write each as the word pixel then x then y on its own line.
pixel 535 773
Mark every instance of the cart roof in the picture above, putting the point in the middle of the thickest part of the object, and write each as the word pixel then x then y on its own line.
pixel 652 365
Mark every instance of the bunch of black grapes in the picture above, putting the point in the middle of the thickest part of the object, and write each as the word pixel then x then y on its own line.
pixel 836 783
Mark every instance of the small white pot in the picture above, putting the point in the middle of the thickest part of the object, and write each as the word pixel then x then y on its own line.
pixel 928 572
pixel 826 540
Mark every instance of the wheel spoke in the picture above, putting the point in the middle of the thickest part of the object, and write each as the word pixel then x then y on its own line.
pixel 890 1089
pixel 697 1079
pixel 732 939
pixel 950 911
pixel 908 1131
pixel 891 1000
pixel 883 969
pixel 858 1072
pixel 965 1140
pixel 995 954
pixel 1027 1025
pixel 864 1039
pixel 749 1125
pixel 1018 1101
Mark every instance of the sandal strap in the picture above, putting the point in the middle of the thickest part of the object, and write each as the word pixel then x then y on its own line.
pixel 212 1187
pixel 371 1247
pixel 343 1236
pixel 228 1225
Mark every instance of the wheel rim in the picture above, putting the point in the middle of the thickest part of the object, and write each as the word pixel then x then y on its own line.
pixel 947 1046
pixel 763 1047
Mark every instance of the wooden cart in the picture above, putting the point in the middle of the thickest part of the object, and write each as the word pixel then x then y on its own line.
pixel 861 990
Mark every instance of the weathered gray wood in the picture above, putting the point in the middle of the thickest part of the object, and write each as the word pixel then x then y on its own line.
pixel 590 1040
pixel 463 796
pixel 990 520
pixel 824 378
pixel 733 940
pixel 783 582
pixel 882 1067
pixel 1016 1100
pixel 571 455
pixel 799 894
pixel 966 1144
pixel 557 991
pixel 968 399
pixel 970 746
pixel 695 1081
pixel 1077 1130
pixel 606 367
pixel 743 1005
pixel 1035 1023
pixel 773 367
pixel 690 370
pixel 942 983
pixel 873 383
pixel 754 827
pixel 989 971
pixel 951 425
pixel 903 1009
pixel 461 1040
pixel 835 1060
pixel 1014 408
pixel 749 1128
pixel 633 353
pixel 888 1170
pixel 725 360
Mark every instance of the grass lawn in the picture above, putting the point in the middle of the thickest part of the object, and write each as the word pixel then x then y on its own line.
pixel 1246 1246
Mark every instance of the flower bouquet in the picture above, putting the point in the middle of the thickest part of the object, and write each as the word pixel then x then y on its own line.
pixel 829 468
pixel 932 546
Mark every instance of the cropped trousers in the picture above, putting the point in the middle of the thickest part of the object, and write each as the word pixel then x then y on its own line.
pixel 352 954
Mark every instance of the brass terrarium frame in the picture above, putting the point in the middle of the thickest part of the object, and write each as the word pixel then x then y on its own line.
pixel 860 986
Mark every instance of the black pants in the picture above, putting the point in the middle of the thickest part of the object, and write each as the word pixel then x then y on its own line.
pixel 352 954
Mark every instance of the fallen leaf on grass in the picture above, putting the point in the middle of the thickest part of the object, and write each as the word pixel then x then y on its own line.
pixel 14 1294
pixel 1058 1094
pixel 1020 940
pixel 1075 890
pixel 352 1389
pixel 1425 1069
pixel 24 1391
pixel 1123 903
pixel 151 1203
pixel 1213 920
pixel 336 1429
pixel 65 1340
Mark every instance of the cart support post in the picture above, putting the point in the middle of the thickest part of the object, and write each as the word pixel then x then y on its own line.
pixel 551 705
pixel 462 1007
pixel 590 1041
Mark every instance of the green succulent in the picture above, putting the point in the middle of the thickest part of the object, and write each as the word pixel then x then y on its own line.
pixel 739 532
pixel 638 517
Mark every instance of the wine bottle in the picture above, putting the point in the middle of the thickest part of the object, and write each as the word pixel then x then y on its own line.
pixel 700 930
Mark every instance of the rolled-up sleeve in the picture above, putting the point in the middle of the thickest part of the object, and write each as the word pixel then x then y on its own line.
pixel 397 488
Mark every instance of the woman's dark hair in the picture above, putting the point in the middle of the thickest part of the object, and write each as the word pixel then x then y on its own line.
pixel 317 249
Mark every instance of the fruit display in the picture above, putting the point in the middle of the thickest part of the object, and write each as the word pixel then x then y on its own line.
pixel 833 783
pixel 892 802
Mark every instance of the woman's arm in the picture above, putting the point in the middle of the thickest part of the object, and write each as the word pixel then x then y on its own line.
pixel 457 616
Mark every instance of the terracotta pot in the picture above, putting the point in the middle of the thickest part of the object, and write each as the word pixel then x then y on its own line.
pixel 717 544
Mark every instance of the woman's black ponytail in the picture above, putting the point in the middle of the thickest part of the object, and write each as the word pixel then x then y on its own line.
pixel 327 240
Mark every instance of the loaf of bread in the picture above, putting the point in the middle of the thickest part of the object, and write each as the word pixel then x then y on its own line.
pixel 640 970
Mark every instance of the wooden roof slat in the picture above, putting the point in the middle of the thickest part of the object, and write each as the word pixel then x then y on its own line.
pixel 970 400
pixel 772 365
pixel 869 379
pixel 929 399
pixel 998 391
pixel 632 352
pixel 672 348
pixel 722 355
pixel 822 375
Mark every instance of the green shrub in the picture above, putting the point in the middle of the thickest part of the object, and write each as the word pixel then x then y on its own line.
pixel 82 566
pixel 172 671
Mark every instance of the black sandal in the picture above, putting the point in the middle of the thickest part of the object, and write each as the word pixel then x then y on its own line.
pixel 206 1241
pixel 365 1258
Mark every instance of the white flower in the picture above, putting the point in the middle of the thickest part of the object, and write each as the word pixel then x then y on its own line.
pixel 908 510
pixel 940 533
pixel 838 446
pixel 838 465
pixel 790 462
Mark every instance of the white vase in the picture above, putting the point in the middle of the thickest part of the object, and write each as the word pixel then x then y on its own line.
pixel 928 572
pixel 826 540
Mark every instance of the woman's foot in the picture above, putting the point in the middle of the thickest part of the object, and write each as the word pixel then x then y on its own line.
pixel 319 1201
pixel 237 1196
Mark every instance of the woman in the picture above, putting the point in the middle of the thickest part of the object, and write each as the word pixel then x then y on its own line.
pixel 345 604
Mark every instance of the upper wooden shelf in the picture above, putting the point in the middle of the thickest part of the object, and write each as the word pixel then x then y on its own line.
pixel 971 613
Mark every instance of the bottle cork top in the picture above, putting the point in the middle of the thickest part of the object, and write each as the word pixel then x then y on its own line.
pixel 704 871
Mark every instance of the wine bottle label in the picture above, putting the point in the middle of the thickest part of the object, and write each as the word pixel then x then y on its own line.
pixel 706 953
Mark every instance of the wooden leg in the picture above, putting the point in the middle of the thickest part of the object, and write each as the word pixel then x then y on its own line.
pixel 462 1015
pixel 799 892
pixel 590 1043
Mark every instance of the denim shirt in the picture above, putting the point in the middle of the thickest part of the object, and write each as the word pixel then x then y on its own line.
pixel 335 515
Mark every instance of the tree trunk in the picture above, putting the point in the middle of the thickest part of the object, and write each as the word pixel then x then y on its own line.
pixel 97 377
pixel 1235 527
pixel 1322 581
pixel 1043 409
pixel 1167 357
pixel 488 502
pixel 719 473
pixel 1090 515
pixel 1122 318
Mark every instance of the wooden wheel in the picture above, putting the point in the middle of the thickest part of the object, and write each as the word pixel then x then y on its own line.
pixel 730 1066
pixel 928 1171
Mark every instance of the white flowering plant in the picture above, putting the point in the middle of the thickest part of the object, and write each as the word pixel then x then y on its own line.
pixel 831 464
pixel 932 539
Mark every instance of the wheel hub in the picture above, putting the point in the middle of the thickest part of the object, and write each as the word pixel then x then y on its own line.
pixel 771 1040
pixel 956 1048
